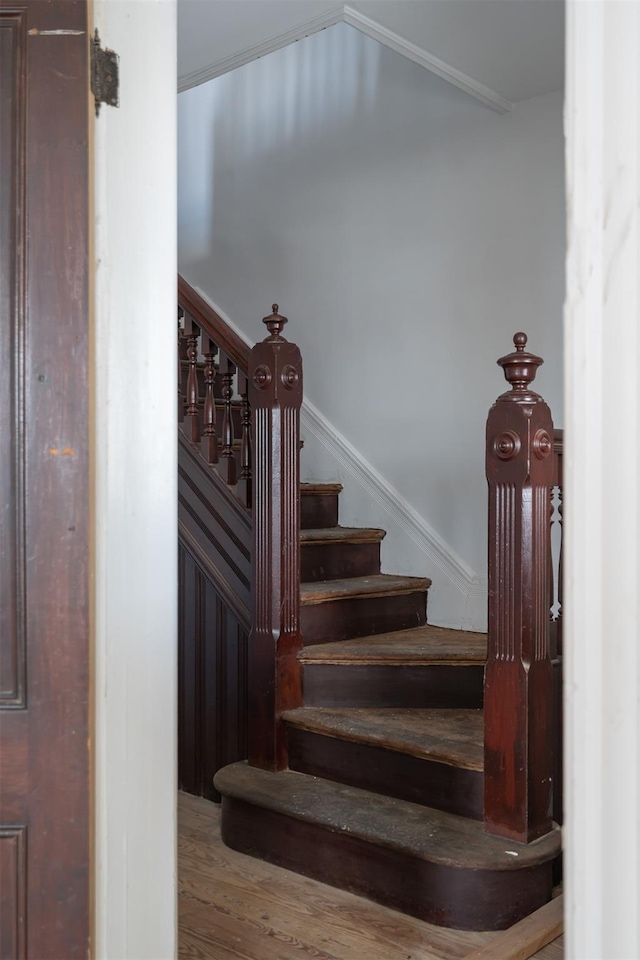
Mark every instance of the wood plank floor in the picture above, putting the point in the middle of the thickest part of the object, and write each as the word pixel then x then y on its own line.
pixel 232 907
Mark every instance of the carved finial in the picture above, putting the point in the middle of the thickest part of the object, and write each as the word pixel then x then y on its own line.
pixel 275 322
pixel 520 368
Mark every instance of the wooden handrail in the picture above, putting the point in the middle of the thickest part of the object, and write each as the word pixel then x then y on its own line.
pixel 212 323
pixel 518 698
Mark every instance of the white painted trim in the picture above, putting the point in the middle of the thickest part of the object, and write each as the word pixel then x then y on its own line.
pixel 135 516
pixel 602 482
pixel 370 28
pixel 277 42
pixel 440 554
pixel 426 60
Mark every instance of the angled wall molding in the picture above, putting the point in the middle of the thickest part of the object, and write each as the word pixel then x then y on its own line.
pixel 371 28
pixel 425 59
pixel 466 603
pixel 218 67
pixel 388 498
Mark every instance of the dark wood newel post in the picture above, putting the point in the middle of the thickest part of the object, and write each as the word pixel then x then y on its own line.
pixel 275 397
pixel 518 697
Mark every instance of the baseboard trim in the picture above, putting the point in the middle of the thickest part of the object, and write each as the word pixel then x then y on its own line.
pixel 437 552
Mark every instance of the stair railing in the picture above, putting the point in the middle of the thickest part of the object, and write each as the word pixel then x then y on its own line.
pixel 210 354
pixel 253 445
pixel 518 696
pixel 555 623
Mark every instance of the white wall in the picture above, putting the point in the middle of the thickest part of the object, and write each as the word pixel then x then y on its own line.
pixel 135 472
pixel 407 231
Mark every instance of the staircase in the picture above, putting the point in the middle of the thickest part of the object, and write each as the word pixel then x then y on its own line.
pixel 367 739
pixel 384 792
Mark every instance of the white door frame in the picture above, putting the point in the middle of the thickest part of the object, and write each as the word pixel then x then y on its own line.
pixel 135 485
pixel 135 459
pixel 602 481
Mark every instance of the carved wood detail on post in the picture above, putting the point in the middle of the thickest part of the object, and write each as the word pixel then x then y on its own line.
pixel 226 461
pixel 518 682
pixel 209 433
pixel 191 418
pixel 246 458
pixel 275 395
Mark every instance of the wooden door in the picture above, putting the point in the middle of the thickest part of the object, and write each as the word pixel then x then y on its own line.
pixel 44 481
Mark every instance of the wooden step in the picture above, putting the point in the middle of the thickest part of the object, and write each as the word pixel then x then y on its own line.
pixel 436 866
pixel 319 505
pixel 424 667
pixel 332 553
pixel 341 609
pixel 433 757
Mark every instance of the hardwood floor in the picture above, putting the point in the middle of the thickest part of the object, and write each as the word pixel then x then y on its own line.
pixel 233 907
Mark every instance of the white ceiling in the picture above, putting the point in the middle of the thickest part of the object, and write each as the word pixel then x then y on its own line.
pixel 513 47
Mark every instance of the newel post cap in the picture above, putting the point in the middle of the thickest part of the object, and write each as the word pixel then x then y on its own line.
pixel 520 367
pixel 274 323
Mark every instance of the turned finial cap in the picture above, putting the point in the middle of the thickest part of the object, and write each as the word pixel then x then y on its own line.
pixel 275 322
pixel 520 367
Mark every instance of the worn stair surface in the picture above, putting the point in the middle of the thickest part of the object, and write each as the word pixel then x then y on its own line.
pixel 433 865
pixel 384 792
pixel 417 667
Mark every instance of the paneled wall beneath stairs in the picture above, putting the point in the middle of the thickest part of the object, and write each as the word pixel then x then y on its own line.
pixel 212 678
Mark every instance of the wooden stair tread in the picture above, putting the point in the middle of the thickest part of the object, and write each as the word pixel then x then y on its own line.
pixel 342 535
pixel 380 585
pixel 399 825
pixel 451 736
pixel 318 489
pixel 426 644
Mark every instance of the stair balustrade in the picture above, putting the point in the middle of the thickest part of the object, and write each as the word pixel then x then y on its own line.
pixel 555 623
pixel 249 439
pixel 518 694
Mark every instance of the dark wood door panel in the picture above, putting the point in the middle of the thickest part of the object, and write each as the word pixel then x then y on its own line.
pixel 12 133
pixel 44 480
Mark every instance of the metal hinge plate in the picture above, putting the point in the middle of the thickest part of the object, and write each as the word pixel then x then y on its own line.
pixel 105 75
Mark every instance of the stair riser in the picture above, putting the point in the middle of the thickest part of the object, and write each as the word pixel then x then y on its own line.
pixel 448 896
pixel 389 772
pixel 387 685
pixel 337 561
pixel 361 616
pixel 318 510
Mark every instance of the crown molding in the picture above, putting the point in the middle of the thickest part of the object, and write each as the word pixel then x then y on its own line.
pixel 218 67
pixel 370 28
pixel 426 60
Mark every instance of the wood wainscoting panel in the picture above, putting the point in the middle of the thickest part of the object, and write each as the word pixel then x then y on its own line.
pixel 212 679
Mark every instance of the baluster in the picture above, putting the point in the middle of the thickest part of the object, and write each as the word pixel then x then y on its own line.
pixel 209 431
pixel 226 460
pixel 180 351
pixel 558 446
pixel 244 483
pixel 518 699
pixel 192 424
pixel 275 395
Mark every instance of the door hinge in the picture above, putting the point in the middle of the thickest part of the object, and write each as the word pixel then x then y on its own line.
pixel 105 75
